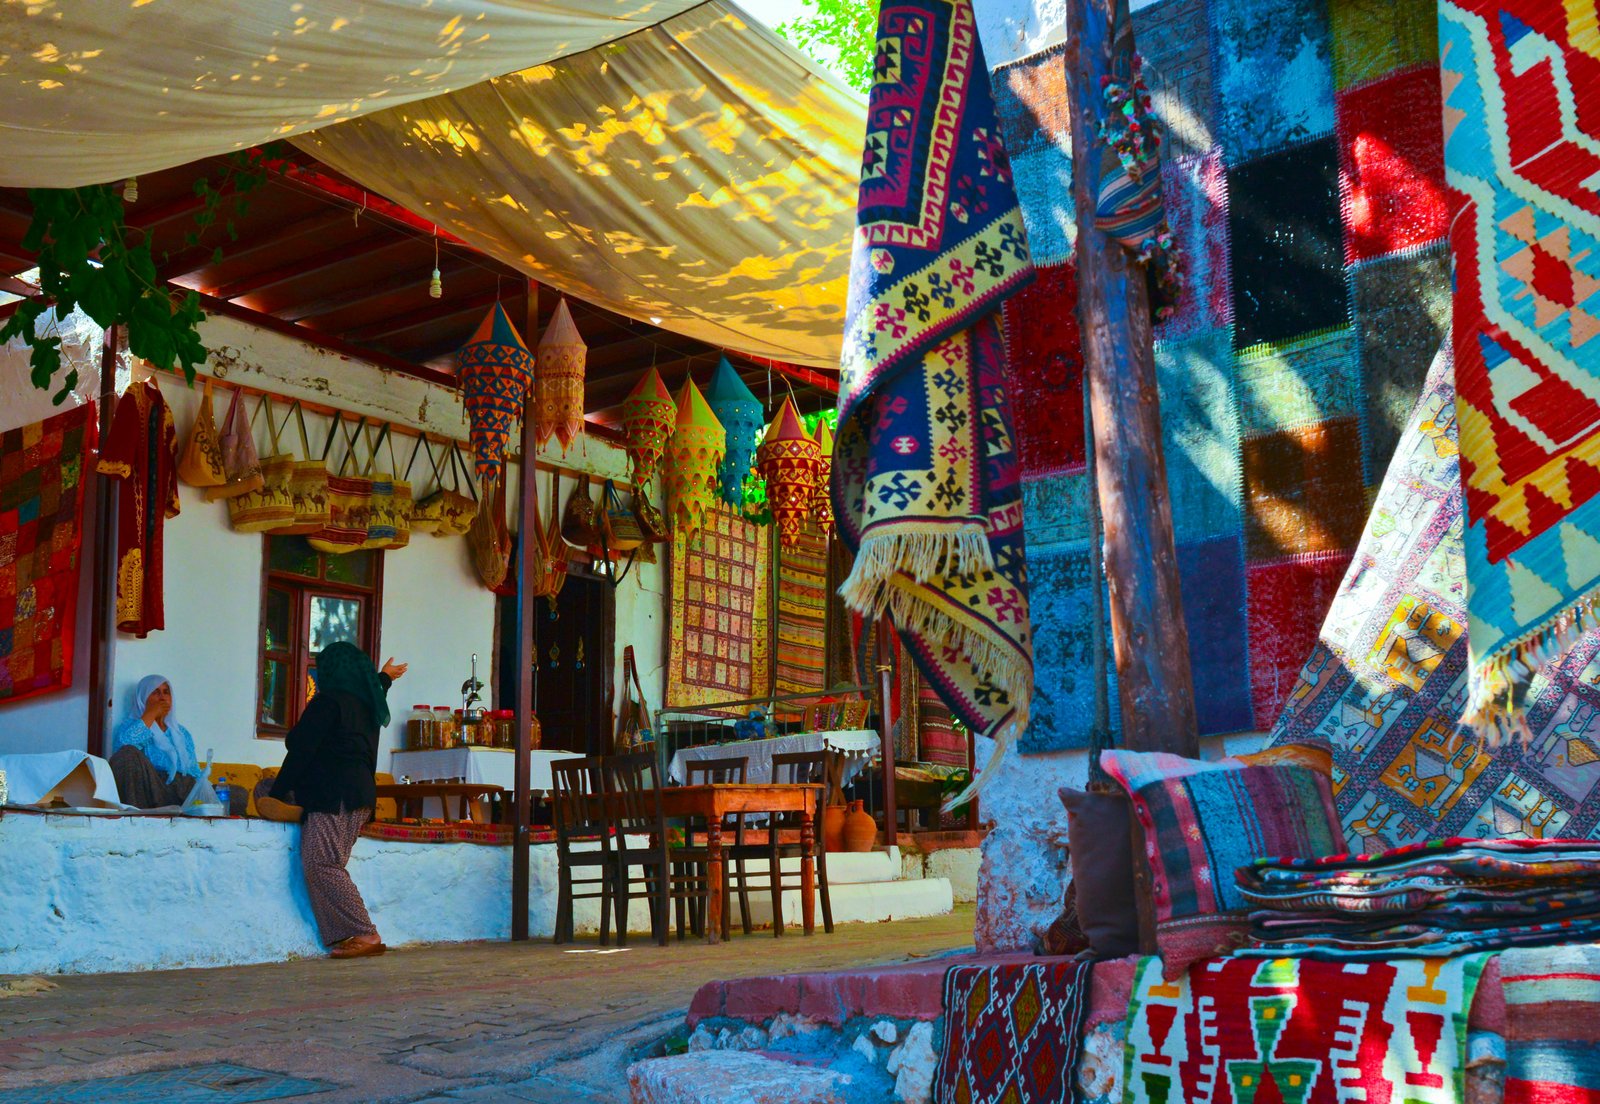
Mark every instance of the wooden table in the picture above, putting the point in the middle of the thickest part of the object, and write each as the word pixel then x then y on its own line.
pixel 411 795
pixel 713 802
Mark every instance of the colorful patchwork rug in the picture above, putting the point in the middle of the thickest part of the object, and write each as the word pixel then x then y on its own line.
pixel 1521 82
pixel 1240 1030
pixel 925 480
pixel 1552 1030
pixel 1386 682
pixel 802 613
pixel 41 540
pixel 720 593
pixel 1013 1032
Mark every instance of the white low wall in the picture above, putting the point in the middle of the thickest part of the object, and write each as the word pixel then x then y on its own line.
pixel 94 895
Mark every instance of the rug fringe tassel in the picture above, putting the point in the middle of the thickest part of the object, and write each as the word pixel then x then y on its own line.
pixel 922 556
pixel 1499 683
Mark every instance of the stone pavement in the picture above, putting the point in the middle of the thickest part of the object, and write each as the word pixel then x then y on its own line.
pixel 467 1022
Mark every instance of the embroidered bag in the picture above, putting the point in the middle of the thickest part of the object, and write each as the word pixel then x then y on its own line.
pixel 579 526
pixel 270 507
pixel 308 483
pixel 424 517
pixel 488 537
pixel 239 461
pixel 349 497
pixel 389 515
pixel 201 462
pixel 652 524
pixel 633 717
pixel 555 547
pixel 623 533
pixel 453 509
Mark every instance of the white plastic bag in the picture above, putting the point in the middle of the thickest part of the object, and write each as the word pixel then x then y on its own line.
pixel 202 799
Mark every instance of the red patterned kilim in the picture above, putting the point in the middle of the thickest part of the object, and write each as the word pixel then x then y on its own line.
pixel 1391 164
pixel 1287 599
pixel 1013 1032
pixel 41 536
pixel 1045 363
pixel 720 588
pixel 1300 1031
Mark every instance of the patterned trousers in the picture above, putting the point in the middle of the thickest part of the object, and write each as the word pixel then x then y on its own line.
pixel 325 844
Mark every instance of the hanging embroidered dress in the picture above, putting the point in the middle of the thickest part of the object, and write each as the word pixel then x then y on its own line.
pixel 142 453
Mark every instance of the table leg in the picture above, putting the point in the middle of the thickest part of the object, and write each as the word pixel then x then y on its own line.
pixel 714 878
pixel 808 874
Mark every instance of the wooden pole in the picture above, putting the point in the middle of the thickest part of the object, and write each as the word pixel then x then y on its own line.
pixel 887 643
pixel 1149 640
pixel 527 566
pixel 103 562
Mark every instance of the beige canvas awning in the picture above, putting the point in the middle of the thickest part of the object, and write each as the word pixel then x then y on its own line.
pixel 684 167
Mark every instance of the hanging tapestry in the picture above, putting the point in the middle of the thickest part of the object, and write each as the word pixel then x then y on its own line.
pixel 802 607
pixel 719 612
pixel 1013 1032
pixel 142 453
pixel 1386 684
pixel 41 539
pixel 1301 1031
pixel 925 482
pixel 1521 84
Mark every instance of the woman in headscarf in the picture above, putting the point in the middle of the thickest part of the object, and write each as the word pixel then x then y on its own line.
pixel 152 755
pixel 332 755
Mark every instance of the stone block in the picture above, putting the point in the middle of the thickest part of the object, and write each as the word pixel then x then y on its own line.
pixel 732 1077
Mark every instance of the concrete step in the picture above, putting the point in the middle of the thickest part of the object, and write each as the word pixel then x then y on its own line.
pixel 858 902
pixel 732 1077
pixel 844 867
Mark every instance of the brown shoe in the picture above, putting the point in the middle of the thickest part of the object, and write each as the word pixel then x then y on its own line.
pixel 357 946
pixel 273 809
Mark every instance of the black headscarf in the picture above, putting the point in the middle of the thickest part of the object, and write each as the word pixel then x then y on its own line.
pixel 346 667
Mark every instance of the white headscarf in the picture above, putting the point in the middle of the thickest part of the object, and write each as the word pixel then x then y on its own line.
pixel 172 748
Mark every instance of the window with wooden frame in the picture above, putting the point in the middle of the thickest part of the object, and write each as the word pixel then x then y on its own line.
pixel 310 599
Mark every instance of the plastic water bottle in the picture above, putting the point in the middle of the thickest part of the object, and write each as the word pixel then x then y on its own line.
pixel 224 793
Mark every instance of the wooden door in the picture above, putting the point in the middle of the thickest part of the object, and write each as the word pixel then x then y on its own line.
pixel 573 639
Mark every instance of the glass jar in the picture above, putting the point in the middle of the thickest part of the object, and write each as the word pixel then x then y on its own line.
pixel 505 727
pixel 444 727
pixel 418 728
pixel 535 733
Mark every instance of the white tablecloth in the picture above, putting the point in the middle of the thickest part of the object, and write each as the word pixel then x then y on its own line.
pixel 858 745
pixel 493 766
pixel 78 778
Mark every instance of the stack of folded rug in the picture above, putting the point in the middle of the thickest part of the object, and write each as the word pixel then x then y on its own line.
pixel 1443 897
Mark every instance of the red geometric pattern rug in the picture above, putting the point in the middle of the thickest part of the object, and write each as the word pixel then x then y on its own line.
pixel 1300 1031
pixel 1012 1032
pixel 720 650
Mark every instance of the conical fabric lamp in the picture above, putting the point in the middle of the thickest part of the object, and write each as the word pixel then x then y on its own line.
pixel 494 367
pixel 698 440
pixel 821 496
pixel 789 461
pixel 742 416
pixel 558 381
pixel 648 415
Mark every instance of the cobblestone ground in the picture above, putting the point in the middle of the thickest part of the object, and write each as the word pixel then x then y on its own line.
pixel 460 1022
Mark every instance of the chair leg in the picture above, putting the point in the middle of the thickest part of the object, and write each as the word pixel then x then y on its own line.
pixel 607 904
pixel 827 898
pixel 620 900
pixel 563 905
pixel 775 880
pixel 680 902
pixel 744 898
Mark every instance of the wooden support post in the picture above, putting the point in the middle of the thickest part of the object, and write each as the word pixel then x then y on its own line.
pixel 527 566
pixel 888 642
pixel 103 558
pixel 1149 640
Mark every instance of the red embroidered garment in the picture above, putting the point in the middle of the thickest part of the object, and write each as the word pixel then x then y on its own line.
pixel 141 452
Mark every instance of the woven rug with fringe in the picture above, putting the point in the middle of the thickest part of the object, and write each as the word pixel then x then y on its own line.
pixel 1013 1032
pixel 925 481
pixel 801 637
pixel 719 592
pixel 1521 82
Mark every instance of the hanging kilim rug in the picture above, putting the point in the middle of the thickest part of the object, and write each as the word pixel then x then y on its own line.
pixel 802 611
pixel 1012 1032
pixel 925 482
pixel 719 596
pixel 1385 685
pixel 1239 1030
pixel 41 542
pixel 1521 82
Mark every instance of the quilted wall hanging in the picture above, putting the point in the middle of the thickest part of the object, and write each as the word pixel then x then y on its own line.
pixel 41 543
pixel 1304 183
pixel 720 596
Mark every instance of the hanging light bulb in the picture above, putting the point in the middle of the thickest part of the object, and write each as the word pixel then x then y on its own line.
pixel 435 282
pixel 130 190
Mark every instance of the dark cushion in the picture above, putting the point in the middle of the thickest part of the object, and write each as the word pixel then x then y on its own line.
pixel 1100 830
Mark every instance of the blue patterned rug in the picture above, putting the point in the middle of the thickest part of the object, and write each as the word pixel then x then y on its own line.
pixel 213 1083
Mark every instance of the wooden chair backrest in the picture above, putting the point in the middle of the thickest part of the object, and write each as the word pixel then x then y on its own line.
pixel 815 767
pixel 574 805
pixel 632 797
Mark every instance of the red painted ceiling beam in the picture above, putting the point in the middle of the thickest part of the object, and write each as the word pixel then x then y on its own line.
pixel 808 376
pixel 306 266
pixel 314 181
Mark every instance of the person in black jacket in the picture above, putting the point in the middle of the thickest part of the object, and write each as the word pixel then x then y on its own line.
pixel 332 755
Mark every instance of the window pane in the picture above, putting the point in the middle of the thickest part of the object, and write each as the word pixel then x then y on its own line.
pixel 354 568
pixel 275 621
pixel 292 555
pixel 332 620
pixel 275 693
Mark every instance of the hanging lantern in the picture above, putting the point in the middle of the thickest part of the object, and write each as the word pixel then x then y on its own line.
pixel 648 414
pixel 494 367
pixel 741 414
pixel 789 461
pixel 558 381
pixel 821 494
pixel 697 446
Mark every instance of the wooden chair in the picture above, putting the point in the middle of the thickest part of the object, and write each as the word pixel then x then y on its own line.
pixel 712 771
pixel 578 816
pixel 817 768
pixel 670 873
